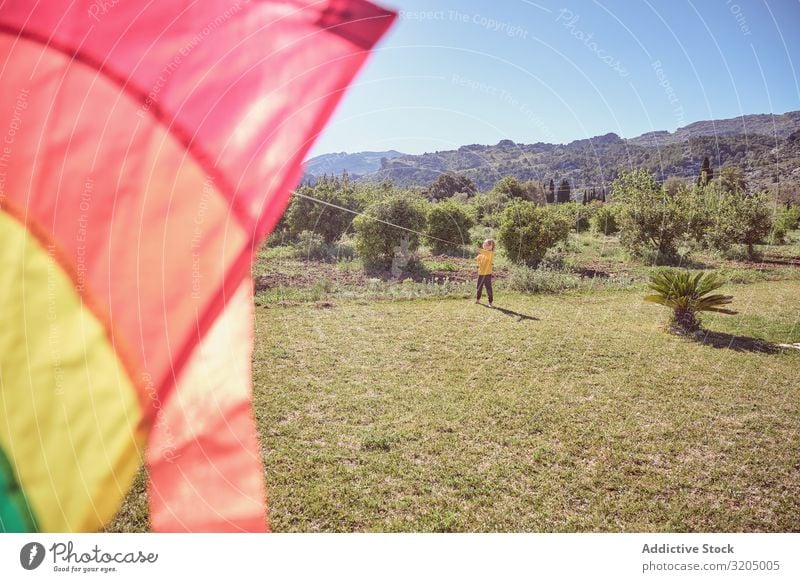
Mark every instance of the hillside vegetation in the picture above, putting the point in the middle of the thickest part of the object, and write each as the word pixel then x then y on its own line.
pixel 766 147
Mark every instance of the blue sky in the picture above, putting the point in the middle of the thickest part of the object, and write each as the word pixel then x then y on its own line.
pixel 452 73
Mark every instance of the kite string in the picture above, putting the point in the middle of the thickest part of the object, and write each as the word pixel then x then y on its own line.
pixel 376 219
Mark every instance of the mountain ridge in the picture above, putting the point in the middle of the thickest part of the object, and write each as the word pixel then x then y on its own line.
pixel 766 146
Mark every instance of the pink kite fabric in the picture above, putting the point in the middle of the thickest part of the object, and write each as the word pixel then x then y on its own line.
pixel 154 147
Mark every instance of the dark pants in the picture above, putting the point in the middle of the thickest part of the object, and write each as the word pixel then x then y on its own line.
pixel 485 282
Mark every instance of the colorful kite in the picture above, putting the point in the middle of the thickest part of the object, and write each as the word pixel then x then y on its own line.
pixel 146 148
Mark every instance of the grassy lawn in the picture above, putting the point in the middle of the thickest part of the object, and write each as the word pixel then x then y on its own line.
pixel 568 412
pixel 441 415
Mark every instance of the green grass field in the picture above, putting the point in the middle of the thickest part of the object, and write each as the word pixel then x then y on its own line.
pixel 405 407
pixel 576 412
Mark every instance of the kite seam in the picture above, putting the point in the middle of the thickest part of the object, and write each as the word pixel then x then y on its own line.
pixel 170 123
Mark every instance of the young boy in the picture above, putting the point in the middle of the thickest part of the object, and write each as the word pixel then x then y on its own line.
pixel 485 260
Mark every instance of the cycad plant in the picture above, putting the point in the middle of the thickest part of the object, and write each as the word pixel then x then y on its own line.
pixel 687 294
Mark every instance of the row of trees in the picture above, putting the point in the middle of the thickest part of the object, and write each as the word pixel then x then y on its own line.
pixel 715 214
pixel 653 220
pixel 449 185
pixel 382 219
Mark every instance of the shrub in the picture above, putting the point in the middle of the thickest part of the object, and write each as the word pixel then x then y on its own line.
pixel 509 186
pixel 604 219
pixel 489 207
pixel 732 179
pixel 673 184
pixel 697 212
pixel 527 231
pixel 480 233
pixel 577 214
pixel 755 220
pixel 732 217
pixel 378 242
pixel 329 223
pixel 450 184
pixel 310 245
pixel 651 221
pixel 541 280
pixel 786 220
pixel 534 192
pixel 449 221
pixel 721 230
pixel 792 217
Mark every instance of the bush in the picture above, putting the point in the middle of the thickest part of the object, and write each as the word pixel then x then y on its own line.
pixel 721 225
pixel 377 242
pixel 489 207
pixel 310 245
pixel 755 220
pixel 577 214
pixel 450 184
pixel 527 231
pixel 510 187
pixel 480 233
pixel 534 192
pixel 541 280
pixel 732 179
pixel 786 221
pixel 604 219
pixel 651 221
pixel 329 223
pixel 791 216
pixel 449 221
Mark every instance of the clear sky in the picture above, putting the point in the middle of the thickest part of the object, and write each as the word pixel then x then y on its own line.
pixel 456 72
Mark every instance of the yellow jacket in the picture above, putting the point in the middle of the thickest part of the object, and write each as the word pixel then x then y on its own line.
pixel 486 260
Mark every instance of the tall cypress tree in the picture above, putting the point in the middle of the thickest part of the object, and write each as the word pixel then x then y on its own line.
pixel 563 193
pixel 706 173
pixel 550 195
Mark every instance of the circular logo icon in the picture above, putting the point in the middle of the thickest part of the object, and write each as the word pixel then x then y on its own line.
pixel 31 555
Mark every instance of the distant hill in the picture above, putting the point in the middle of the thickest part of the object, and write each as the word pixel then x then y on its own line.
pixel 765 146
pixel 356 164
pixel 779 126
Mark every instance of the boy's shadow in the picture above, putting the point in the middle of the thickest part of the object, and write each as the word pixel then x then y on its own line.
pixel 519 316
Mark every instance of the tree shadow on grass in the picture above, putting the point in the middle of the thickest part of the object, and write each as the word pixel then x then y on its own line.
pixel 739 343
pixel 510 313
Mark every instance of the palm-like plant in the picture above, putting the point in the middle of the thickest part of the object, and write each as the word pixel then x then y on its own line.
pixel 688 295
